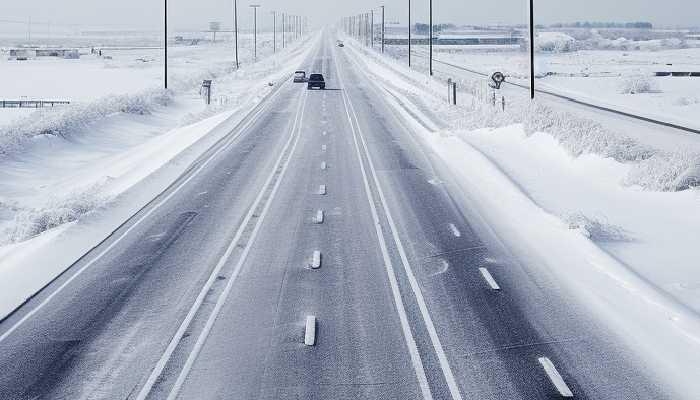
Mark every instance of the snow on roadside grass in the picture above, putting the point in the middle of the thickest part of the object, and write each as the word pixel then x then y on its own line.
pixel 54 160
pixel 652 169
pixel 30 222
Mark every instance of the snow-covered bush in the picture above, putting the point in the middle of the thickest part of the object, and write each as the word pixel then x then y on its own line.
pixel 57 211
pixel 687 101
pixel 595 228
pixel 554 42
pixel 64 121
pixel 638 84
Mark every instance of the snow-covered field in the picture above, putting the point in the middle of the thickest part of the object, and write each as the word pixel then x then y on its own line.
pixel 595 76
pixel 59 165
pixel 578 199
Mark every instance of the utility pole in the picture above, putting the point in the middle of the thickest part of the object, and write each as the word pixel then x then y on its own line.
pixel 371 30
pixel 382 29
pixel 255 31
pixel 409 33
pixel 235 29
pixel 274 32
pixel 284 18
pixel 430 63
pixel 532 51
pixel 165 43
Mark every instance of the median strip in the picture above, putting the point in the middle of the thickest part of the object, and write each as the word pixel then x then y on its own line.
pixel 555 377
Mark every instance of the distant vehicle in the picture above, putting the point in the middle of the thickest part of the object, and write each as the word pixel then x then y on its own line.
pixel 340 43
pixel 316 80
pixel 299 76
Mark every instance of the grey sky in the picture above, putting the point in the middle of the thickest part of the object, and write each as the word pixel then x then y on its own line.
pixel 140 14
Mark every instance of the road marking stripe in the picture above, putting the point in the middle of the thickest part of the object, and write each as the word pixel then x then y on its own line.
pixel 489 279
pixel 555 377
pixel 396 293
pixel 160 365
pixel 224 145
pixel 322 189
pixel 319 217
pixel 437 346
pixel 316 260
pixel 323 147
pixel 323 165
pixel 455 231
pixel 310 331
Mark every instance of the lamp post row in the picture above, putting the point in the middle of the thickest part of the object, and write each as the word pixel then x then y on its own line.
pixel 296 22
pixel 353 26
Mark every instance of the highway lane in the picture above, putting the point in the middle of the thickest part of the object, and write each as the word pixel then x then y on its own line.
pixel 402 309
pixel 359 350
pixel 493 339
pixel 96 332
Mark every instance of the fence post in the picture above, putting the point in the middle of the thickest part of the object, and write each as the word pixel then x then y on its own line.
pixel 503 102
pixel 454 93
pixel 449 84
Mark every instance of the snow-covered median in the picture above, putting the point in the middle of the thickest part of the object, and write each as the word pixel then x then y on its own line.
pixel 615 220
pixel 106 159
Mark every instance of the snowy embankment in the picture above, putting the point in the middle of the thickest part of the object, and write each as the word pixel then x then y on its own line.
pixel 69 177
pixel 615 220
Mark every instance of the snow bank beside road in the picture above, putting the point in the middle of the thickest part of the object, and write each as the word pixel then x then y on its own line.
pixel 571 205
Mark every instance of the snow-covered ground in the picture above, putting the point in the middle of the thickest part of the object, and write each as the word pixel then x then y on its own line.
pixel 59 165
pixel 595 76
pixel 577 198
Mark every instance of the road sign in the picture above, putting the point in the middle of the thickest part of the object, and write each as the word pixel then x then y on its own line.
pixel 498 78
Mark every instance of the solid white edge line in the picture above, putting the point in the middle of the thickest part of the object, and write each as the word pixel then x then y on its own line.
pixel 319 217
pixel 455 231
pixel 310 330
pixel 322 189
pixel 437 345
pixel 555 377
pixel 316 260
pixel 391 274
pixel 489 278
pixel 184 372
pixel 223 146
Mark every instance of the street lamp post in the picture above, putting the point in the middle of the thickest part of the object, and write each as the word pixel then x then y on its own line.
pixel 430 62
pixel 165 42
pixel 409 33
pixel 371 30
pixel 274 32
pixel 532 51
pixel 382 29
pixel 255 31
pixel 235 29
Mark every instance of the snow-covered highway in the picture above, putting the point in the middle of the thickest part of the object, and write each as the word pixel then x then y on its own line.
pixel 313 253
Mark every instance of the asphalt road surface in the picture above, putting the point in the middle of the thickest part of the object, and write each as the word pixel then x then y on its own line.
pixel 314 253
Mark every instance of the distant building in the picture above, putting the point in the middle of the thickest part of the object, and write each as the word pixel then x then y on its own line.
pixel 27 53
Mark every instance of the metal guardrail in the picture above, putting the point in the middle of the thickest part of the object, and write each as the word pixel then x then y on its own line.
pixel 32 103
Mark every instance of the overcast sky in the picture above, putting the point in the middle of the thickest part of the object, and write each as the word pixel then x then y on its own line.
pixel 144 14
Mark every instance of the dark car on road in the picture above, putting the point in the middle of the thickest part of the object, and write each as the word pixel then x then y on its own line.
pixel 299 76
pixel 316 80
